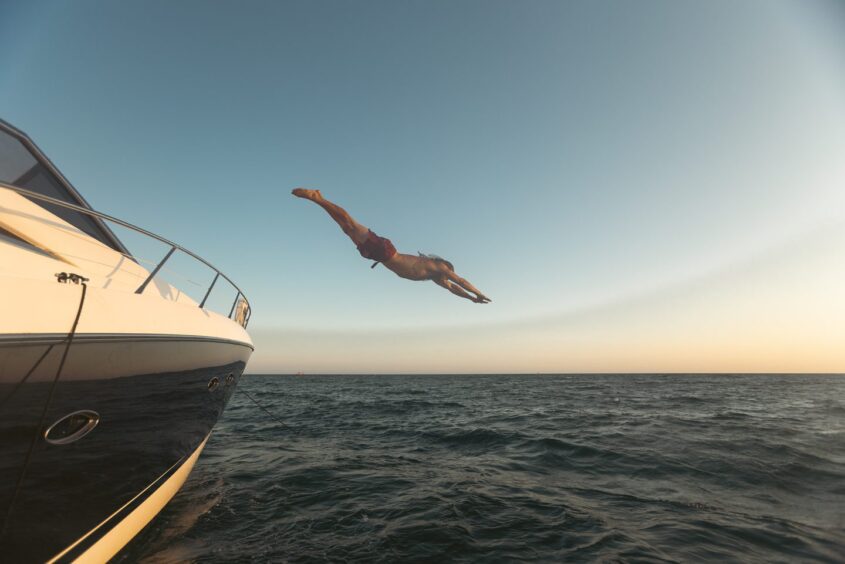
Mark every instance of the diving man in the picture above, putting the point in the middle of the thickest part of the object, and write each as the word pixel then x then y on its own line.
pixel 381 250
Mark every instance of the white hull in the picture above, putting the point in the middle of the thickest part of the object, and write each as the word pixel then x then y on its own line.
pixel 109 388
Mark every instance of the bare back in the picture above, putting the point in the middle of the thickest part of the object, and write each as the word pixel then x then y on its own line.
pixel 413 267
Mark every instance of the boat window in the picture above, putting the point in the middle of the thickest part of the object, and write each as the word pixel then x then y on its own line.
pixel 18 166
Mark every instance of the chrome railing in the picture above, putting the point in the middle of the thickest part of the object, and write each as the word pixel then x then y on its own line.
pixel 241 317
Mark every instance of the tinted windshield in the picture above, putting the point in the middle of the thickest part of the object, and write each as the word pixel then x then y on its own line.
pixel 18 166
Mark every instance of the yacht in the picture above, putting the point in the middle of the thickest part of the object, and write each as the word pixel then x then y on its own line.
pixel 111 378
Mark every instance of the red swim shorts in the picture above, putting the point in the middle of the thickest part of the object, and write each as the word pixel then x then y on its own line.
pixel 376 248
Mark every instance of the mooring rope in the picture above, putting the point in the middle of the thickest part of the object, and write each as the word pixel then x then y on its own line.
pixel 62 278
pixel 264 409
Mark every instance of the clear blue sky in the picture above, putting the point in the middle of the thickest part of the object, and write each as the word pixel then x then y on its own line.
pixel 565 156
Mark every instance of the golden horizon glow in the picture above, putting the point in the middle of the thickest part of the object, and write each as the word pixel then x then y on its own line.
pixel 781 312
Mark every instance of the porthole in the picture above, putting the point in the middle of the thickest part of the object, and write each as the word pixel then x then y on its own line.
pixel 72 427
pixel 213 384
pixel 230 379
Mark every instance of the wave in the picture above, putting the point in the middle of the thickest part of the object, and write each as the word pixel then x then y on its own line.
pixel 494 469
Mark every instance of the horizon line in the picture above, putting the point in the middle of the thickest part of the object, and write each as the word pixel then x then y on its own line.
pixel 640 373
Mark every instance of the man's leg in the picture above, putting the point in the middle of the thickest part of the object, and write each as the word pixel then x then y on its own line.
pixel 354 230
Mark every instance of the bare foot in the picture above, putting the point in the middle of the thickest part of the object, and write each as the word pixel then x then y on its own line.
pixel 312 195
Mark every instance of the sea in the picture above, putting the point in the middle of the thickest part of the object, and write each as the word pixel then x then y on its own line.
pixel 501 468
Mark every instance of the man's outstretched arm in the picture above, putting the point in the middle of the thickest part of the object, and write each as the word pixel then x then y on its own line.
pixel 457 290
pixel 463 283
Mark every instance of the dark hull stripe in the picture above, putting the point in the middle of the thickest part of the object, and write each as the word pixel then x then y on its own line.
pixel 161 405
pixel 104 528
pixel 55 338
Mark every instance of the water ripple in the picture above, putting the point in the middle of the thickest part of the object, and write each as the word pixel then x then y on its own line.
pixel 540 468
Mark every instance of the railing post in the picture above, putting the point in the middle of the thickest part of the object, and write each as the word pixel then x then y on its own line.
pixel 216 276
pixel 83 209
pixel 231 311
pixel 155 271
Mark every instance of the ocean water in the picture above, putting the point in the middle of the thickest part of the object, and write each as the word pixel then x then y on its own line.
pixel 651 468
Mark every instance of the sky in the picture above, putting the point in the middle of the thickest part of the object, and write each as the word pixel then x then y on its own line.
pixel 644 186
